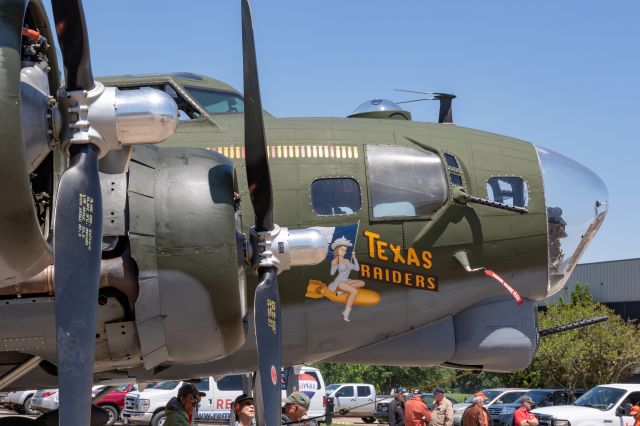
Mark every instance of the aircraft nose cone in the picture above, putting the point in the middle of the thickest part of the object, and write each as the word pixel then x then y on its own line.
pixel 577 202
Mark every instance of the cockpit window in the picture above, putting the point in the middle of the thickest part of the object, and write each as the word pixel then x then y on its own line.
pixel 335 196
pixel 405 182
pixel 216 101
pixel 508 190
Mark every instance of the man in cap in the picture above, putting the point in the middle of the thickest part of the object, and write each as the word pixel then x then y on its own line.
pixel 295 408
pixel 197 396
pixel 243 411
pixel 476 414
pixel 523 415
pixel 441 410
pixel 396 408
pixel 179 410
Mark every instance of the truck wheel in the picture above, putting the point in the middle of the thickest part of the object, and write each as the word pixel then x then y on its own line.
pixel 113 413
pixel 158 419
pixel 368 419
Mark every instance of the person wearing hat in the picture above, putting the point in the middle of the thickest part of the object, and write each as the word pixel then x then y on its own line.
pixel 396 408
pixel 416 412
pixel 476 414
pixel 441 410
pixel 523 415
pixel 243 411
pixel 635 413
pixel 343 267
pixel 197 396
pixel 295 407
pixel 179 410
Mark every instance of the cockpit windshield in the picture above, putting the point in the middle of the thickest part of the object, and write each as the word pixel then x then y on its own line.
pixel 217 101
pixel 577 202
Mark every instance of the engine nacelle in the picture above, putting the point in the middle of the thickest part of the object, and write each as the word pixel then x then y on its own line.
pixel 182 236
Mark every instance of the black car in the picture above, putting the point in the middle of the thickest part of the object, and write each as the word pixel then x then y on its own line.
pixel 502 414
pixel 382 407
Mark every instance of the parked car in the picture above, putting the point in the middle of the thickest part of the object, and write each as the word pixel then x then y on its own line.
pixel 45 400
pixel 602 405
pixel 382 407
pixel 494 396
pixel 147 407
pixel 502 414
pixel 353 400
pixel 113 402
pixel 20 401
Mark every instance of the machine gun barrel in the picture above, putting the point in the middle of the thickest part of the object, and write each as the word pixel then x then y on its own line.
pixel 572 325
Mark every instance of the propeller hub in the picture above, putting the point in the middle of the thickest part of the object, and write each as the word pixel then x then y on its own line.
pixel 110 118
pixel 284 248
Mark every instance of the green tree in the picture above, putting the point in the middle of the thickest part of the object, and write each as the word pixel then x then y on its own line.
pixel 384 378
pixel 585 357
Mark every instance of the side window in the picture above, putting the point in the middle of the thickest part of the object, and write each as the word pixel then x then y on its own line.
pixel 335 196
pixel 509 190
pixel 230 383
pixel 454 169
pixel 364 391
pixel 405 182
pixel 204 385
pixel 345 391
pixel 633 398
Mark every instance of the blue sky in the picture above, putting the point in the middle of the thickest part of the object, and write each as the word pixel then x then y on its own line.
pixel 563 75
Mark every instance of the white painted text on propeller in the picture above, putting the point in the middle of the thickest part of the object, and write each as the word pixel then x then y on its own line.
pixel 271 315
pixel 85 219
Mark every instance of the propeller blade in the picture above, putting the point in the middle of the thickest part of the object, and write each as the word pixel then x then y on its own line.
pixel 71 28
pixel 77 250
pixel 258 176
pixel 266 312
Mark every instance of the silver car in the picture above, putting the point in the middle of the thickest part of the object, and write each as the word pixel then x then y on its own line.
pixel 494 396
pixel 45 400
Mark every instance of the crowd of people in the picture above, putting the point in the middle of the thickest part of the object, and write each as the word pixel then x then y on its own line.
pixel 182 410
pixel 410 409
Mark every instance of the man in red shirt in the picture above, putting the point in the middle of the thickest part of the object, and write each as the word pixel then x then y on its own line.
pixel 523 415
pixel 416 412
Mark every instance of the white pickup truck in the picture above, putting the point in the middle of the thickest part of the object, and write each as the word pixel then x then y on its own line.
pixel 602 405
pixel 147 407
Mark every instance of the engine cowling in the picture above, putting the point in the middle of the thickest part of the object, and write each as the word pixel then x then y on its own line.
pixel 182 233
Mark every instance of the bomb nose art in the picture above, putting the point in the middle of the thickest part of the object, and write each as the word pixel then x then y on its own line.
pixel 577 202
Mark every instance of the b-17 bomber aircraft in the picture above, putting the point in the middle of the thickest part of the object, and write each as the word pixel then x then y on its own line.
pixel 246 242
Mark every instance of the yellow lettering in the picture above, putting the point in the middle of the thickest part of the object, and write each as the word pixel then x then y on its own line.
pixel 432 283
pixel 419 281
pixel 380 245
pixel 407 279
pixel 397 277
pixel 386 274
pixel 377 273
pixel 426 258
pixel 397 253
pixel 365 272
pixel 372 237
pixel 412 257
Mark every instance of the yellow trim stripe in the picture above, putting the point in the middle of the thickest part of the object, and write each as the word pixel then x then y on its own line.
pixel 236 152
